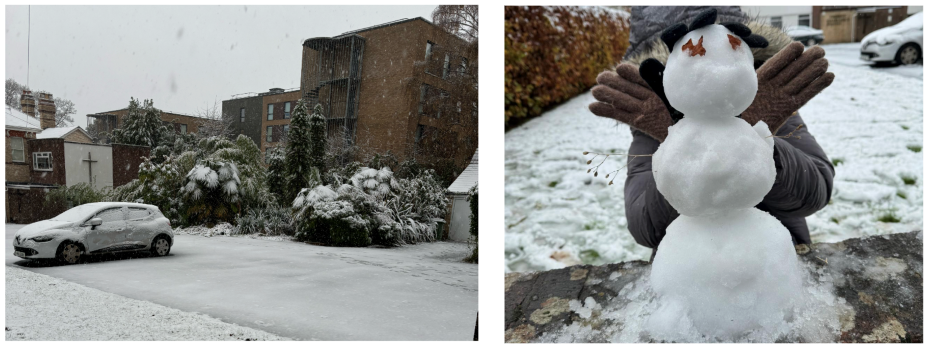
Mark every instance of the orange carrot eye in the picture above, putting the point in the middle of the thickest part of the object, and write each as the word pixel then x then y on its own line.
pixel 695 49
pixel 734 41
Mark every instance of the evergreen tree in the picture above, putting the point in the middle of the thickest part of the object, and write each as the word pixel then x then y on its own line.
pixel 277 179
pixel 297 159
pixel 141 126
pixel 318 139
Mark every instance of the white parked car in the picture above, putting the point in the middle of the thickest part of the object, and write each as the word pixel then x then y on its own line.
pixel 96 228
pixel 901 43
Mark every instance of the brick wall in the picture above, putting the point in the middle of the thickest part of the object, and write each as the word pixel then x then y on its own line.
pixel 18 171
pixel 78 137
pixel 192 122
pixel 278 119
pixel 56 146
pixel 25 206
pixel 126 161
pixel 251 127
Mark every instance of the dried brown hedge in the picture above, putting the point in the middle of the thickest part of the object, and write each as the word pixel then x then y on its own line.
pixel 555 53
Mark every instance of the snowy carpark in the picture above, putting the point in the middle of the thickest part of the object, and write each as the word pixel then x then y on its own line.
pixel 869 122
pixel 242 288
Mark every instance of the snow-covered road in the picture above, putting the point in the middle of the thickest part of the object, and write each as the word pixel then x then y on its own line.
pixel 296 290
pixel 869 122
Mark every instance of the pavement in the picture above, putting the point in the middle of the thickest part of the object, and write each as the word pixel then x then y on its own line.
pixel 296 290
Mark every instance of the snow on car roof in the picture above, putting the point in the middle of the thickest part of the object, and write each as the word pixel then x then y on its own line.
pixel 915 21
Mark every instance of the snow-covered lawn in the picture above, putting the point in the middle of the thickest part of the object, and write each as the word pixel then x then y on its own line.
pixel 293 289
pixel 869 122
pixel 41 307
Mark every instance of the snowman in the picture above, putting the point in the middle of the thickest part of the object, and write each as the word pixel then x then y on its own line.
pixel 724 268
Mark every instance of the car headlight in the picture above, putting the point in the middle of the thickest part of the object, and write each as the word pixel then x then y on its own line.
pixel 43 238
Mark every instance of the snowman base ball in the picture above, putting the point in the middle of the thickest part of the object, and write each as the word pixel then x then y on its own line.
pixel 710 277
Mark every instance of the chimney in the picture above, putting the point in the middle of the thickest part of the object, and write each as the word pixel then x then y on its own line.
pixel 46 110
pixel 27 103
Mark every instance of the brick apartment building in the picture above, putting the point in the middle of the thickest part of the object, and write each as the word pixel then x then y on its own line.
pixel 40 157
pixel 407 87
pixel 404 86
pixel 263 117
pixel 103 123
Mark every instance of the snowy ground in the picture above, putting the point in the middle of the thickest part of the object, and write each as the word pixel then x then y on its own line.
pixel 295 290
pixel 869 122
pixel 41 307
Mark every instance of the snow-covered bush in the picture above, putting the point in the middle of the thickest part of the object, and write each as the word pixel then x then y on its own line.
pixel 277 175
pixel 141 126
pixel 473 204
pixel 412 209
pixel 253 189
pixel 158 184
pixel 211 194
pixel 271 220
pixel 321 216
pixel 65 197
pixel 378 183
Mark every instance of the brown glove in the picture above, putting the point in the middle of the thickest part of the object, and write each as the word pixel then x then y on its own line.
pixel 624 96
pixel 787 81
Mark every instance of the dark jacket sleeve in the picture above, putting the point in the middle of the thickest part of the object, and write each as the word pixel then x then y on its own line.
pixel 804 174
pixel 647 211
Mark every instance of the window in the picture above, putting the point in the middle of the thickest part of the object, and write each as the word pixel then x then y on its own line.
pixel 138 213
pixel 464 66
pixel 19 151
pixel 271 112
pixel 286 128
pixel 287 110
pixel 804 20
pixel 110 215
pixel 267 154
pixel 419 135
pixel 268 134
pixel 429 49
pixel 42 161
pixel 776 22
pixel 241 114
pixel 183 128
pixel 423 89
pixel 445 67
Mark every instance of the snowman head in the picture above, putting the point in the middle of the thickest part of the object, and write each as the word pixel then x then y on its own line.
pixel 710 71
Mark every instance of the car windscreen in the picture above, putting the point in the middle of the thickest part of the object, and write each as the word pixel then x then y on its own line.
pixel 76 214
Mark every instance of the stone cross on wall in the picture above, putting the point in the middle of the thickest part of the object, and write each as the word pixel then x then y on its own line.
pixel 90 163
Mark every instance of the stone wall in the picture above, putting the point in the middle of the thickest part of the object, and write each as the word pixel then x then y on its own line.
pixel 880 279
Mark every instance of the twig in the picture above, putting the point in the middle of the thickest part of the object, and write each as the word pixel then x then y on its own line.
pixel 607 155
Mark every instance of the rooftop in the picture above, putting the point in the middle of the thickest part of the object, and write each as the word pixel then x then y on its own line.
pixel 18 120
pixel 468 179
pixel 59 132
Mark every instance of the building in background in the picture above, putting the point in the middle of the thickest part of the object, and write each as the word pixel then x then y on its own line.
pixel 839 23
pixel 41 157
pixel 406 87
pixel 277 106
pixel 101 124
pixel 852 23
pixel 459 216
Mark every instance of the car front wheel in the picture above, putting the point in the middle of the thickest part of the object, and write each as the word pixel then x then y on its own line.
pixel 70 252
pixel 811 42
pixel 161 246
pixel 908 54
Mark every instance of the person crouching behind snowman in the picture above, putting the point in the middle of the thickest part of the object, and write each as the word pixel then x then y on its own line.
pixel 804 174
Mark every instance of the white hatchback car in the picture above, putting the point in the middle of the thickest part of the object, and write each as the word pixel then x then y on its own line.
pixel 96 228
pixel 901 43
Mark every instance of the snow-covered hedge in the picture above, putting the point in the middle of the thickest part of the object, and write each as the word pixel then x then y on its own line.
pixel 371 207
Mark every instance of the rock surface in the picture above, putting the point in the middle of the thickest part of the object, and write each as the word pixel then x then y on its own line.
pixel 880 278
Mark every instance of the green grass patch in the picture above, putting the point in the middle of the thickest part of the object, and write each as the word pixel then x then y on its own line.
pixel 553 184
pixel 915 148
pixel 589 256
pixel 837 161
pixel 889 217
pixel 905 127
pixel 902 195
pixel 835 220
pixel 909 180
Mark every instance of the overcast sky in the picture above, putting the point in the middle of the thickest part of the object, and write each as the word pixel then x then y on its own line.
pixel 183 57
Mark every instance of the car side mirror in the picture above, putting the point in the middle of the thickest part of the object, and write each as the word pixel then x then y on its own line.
pixel 94 222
